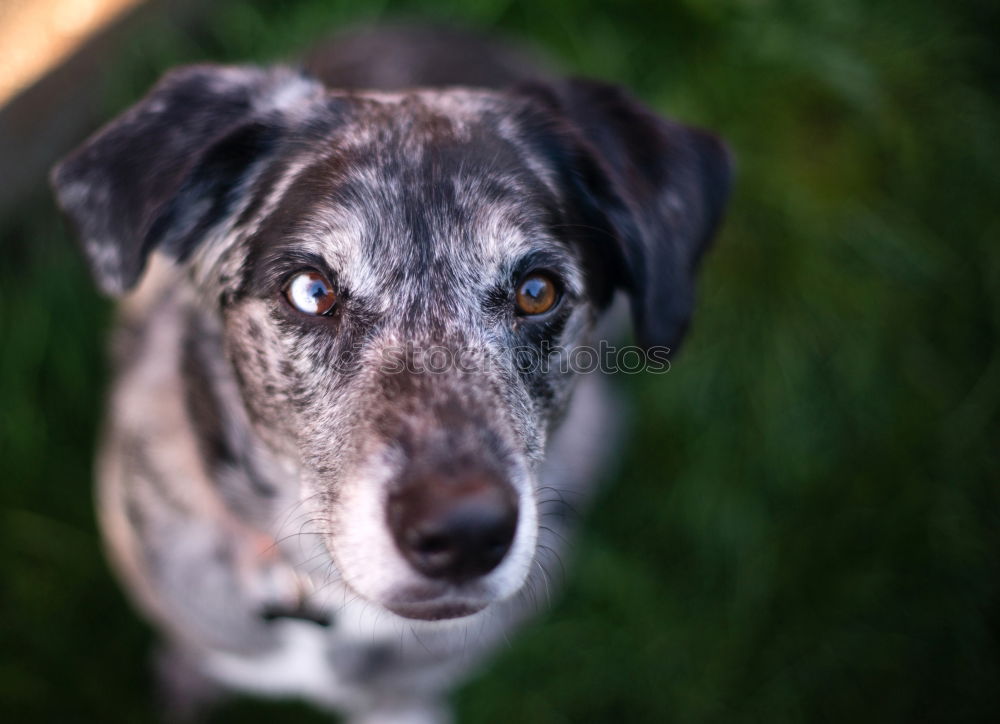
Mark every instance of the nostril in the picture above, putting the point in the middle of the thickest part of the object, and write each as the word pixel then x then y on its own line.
pixel 429 545
pixel 498 546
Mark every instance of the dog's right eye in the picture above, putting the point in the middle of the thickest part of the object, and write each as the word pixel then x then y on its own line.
pixel 311 293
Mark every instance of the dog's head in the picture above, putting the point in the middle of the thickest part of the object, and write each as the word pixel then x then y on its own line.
pixel 398 276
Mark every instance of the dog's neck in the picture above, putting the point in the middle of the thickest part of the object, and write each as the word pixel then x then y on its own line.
pixel 251 479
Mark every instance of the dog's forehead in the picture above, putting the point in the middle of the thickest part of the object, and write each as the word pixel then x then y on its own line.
pixel 425 187
pixel 417 118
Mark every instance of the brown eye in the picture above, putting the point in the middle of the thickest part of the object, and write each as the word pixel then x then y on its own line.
pixel 536 294
pixel 311 293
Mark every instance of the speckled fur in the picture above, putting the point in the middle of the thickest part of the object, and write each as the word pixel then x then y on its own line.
pixel 249 449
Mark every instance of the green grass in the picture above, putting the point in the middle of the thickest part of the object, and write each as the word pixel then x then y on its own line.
pixel 806 524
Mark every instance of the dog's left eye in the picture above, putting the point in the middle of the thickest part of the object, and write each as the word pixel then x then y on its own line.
pixel 536 294
pixel 311 293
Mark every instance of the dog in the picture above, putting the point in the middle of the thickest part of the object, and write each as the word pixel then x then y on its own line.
pixel 287 488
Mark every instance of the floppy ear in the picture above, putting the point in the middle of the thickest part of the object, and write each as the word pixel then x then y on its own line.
pixel 655 187
pixel 168 171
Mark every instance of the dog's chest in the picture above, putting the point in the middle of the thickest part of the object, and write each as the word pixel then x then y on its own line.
pixel 339 664
pixel 302 663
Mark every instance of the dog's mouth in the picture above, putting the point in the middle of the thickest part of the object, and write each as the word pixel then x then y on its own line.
pixel 436 610
pixel 433 603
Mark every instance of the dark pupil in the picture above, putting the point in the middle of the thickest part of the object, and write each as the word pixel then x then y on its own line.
pixel 534 289
pixel 317 290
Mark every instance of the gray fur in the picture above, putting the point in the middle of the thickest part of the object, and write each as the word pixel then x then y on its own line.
pixel 248 452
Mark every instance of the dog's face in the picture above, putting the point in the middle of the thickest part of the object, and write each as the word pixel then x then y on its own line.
pixel 387 321
pixel 400 279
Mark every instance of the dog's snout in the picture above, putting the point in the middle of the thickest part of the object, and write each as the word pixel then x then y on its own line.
pixel 454 531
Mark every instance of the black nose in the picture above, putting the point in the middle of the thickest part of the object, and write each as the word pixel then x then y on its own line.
pixel 454 531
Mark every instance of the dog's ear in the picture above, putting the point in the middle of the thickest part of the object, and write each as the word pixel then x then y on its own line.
pixel 168 171
pixel 655 190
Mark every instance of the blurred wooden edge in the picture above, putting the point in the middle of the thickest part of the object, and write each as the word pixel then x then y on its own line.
pixel 36 35
pixel 46 119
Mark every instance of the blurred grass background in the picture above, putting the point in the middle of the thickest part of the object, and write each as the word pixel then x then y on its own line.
pixel 806 523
